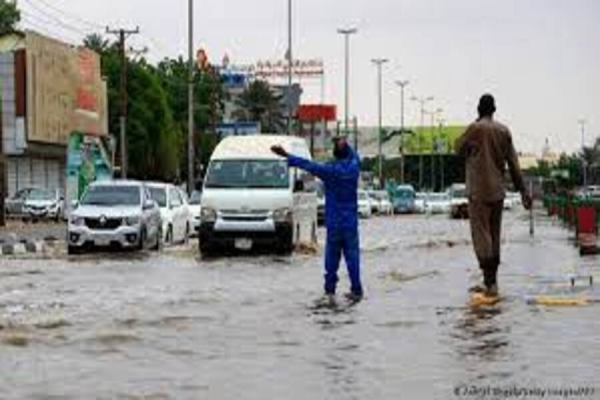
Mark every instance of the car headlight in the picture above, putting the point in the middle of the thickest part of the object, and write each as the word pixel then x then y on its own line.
pixel 77 221
pixel 282 215
pixel 208 215
pixel 132 221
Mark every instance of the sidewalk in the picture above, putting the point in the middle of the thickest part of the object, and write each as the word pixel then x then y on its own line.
pixel 18 237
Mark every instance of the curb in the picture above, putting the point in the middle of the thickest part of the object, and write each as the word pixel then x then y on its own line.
pixel 25 246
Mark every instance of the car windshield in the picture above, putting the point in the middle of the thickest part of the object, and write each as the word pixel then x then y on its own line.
pixel 112 196
pixel 159 195
pixel 196 198
pixel 248 174
pixel 43 195
pixel 405 194
pixel 459 193
pixel 438 197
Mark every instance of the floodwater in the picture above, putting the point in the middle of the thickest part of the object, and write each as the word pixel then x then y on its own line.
pixel 172 326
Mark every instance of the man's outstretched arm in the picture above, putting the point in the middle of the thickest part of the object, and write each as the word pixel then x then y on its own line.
pixel 322 171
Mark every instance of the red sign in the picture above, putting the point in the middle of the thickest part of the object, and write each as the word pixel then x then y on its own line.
pixel 317 113
pixel 202 58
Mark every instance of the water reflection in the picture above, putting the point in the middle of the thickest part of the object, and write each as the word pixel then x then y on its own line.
pixel 481 334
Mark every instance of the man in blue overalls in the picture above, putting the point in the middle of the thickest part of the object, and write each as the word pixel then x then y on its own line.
pixel 340 178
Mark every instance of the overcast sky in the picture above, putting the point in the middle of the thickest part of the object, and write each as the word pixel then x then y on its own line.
pixel 540 58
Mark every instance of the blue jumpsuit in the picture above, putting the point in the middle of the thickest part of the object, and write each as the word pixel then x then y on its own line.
pixel 340 178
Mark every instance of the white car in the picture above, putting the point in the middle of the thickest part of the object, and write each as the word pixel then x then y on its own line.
pixel 43 204
pixel 459 202
pixel 512 200
pixel 438 203
pixel 174 212
pixel 364 204
pixel 383 203
pixel 195 207
pixel 115 213
pixel 421 202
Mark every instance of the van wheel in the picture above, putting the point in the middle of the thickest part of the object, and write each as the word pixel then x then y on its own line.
pixel 207 249
pixel 286 246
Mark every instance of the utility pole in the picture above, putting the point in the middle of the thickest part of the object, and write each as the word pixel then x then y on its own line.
pixel 347 33
pixel 402 85
pixel 123 34
pixel 422 101
pixel 356 134
pixel 290 66
pixel 379 63
pixel 442 152
pixel 433 146
pixel 191 152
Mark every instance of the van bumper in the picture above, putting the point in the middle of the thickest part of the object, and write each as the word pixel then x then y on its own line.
pixel 281 235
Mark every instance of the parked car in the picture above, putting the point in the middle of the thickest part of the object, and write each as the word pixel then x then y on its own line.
pixel 374 202
pixel 194 205
pixel 364 204
pixel 43 204
pixel 381 200
pixel 404 199
pixel 120 213
pixel 13 206
pixel 174 212
pixel 438 203
pixel 459 202
pixel 512 200
pixel 420 202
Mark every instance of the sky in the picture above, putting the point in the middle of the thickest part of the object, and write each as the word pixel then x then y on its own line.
pixel 540 58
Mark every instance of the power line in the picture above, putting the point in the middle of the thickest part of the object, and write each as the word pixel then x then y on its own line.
pixel 27 23
pixel 71 16
pixel 54 20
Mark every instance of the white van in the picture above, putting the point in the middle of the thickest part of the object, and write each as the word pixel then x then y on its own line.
pixel 251 197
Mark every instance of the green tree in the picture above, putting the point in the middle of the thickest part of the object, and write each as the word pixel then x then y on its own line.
pixel 152 137
pixel 10 16
pixel 209 100
pixel 258 103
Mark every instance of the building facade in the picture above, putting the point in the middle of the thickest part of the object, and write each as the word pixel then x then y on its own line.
pixel 49 90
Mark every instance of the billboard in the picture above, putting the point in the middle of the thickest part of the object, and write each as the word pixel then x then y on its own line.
pixel 65 91
pixel 89 158
pixel 317 112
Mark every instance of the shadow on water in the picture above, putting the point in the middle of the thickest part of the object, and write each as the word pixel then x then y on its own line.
pixel 481 335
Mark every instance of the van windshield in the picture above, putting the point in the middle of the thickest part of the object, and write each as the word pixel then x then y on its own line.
pixel 248 174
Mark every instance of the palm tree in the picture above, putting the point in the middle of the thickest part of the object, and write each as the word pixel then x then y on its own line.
pixel 258 103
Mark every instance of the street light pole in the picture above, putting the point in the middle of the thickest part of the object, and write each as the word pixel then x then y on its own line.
pixel 379 63
pixel 402 85
pixel 433 146
pixel 290 65
pixel 347 33
pixel 422 101
pixel 442 153
pixel 582 123
pixel 191 153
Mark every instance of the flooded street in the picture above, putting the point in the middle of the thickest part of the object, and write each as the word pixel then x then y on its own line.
pixel 172 326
